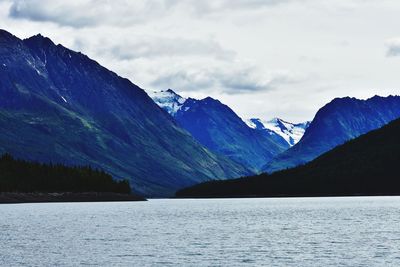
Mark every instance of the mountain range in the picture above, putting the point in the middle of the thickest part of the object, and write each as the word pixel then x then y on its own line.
pixel 220 129
pixel 337 122
pixel 60 106
pixel 367 165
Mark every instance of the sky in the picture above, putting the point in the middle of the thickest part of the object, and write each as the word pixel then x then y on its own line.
pixel 263 58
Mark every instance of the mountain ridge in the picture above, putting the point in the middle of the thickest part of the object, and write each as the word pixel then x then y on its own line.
pixel 60 106
pixel 219 128
pixel 367 165
pixel 338 121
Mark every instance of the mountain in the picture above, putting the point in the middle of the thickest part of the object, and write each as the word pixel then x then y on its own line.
pixel 60 106
pixel 291 132
pixel 167 100
pixel 337 122
pixel 218 128
pixel 367 165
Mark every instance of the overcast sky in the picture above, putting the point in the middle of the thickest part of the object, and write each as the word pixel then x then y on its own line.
pixel 264 58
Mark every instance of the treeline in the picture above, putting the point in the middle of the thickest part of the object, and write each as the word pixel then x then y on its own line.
pixel 23 176
pixel 368 165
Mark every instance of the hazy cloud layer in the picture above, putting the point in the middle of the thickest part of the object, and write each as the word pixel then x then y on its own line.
pixel 143 46
pixel 89 13
pixel 264 58
pixel 84 13
pixel 228 78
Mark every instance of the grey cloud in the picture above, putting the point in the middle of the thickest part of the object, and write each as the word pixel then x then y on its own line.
pixel 191 81
pixel 242 80
pixel 49 11
pixel 214 6
pixel 251 79
pixel 87 13
pixel 155 47
pixel 75 13
pixel 238 81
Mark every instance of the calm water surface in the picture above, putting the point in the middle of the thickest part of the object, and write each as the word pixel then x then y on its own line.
pixel 363 231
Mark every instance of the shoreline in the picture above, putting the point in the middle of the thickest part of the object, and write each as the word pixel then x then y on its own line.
pixel 284 196
pixel 15 198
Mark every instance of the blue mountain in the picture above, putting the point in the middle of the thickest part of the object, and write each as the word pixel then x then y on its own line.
pixel 367 165
pixel 221 130
pixel 60 106
pixel 337 122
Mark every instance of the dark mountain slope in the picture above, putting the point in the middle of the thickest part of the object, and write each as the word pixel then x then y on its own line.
pixel 335 123
pixel 217 127
pixel 368 165
pixel 59 106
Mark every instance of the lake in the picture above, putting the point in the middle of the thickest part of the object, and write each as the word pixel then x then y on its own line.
pixel 353 231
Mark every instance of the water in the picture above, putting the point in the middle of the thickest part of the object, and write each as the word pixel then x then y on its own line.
pixel 363 231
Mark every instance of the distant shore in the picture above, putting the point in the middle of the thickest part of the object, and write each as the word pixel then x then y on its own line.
pixel 9 198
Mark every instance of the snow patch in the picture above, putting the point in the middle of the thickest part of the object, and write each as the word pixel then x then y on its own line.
pixel 36 68
pixel 168 100
pixel 291 132
pixel 251 124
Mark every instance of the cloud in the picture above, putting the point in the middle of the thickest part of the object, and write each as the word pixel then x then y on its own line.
pixel 248 80
pixel 234 78
pixel 217 6
pixel 393 47
pixel 187 79
pixel 198 47
pixel 90 13
pixel 86 13
pixel 144 46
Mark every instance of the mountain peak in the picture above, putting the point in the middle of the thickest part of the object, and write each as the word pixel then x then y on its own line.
pixel 291 132
pixel 39 40
pixel 211 101
pixel 378 98
pixel 167 100
pixel 255 123
pixel 4 33
pixel 169 90
pixel 5 37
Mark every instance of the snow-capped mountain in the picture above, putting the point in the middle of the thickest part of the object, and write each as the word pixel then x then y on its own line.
pixel 168 100
pixel 291 132
pixel 220 129
pixel 335 123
